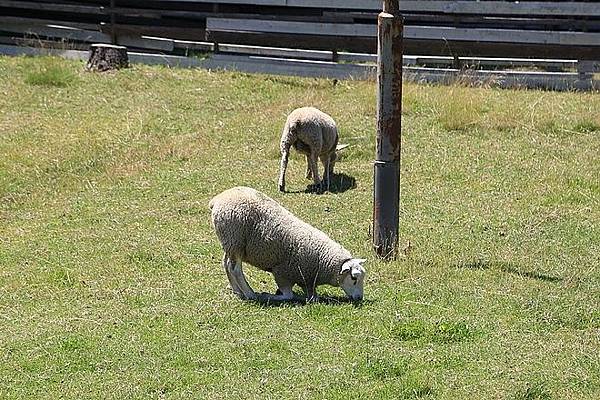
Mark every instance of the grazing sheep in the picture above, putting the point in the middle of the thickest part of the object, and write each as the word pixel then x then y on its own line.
pixel 254 228
pixel 314 134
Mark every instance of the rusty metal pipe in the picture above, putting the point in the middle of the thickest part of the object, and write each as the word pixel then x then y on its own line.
pixel 386 194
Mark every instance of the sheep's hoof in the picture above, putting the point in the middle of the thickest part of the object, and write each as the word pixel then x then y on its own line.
pixel 312 299
pixel 247 297
pixel 278 297
pixel 315 188
pixel 282 188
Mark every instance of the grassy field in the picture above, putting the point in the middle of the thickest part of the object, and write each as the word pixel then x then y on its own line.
pixel 110 277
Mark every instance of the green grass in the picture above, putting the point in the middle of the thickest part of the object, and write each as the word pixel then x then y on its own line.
pixel 110 276
pixel 49 72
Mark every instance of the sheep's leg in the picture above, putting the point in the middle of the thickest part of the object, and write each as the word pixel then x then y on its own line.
pixel 285 155
pixel 308 171
pixel 326 170
pixel 286 295
pixel 284 286
pixel 237 273
pixel 232 282
pixel 311 295
pixel 332 159
pixel 312 163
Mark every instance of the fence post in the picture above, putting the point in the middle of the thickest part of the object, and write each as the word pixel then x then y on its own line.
pixel 113 21
pixel 386 194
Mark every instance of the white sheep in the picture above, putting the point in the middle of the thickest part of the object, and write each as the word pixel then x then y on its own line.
pixel 314 134
pixel 254 228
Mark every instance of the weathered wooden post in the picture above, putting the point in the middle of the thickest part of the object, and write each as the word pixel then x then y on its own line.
pixel 113 22
pixel 386 196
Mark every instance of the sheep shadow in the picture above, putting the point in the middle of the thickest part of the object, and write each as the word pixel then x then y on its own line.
pixel 339 183
pixel 509 268
pixel 263 300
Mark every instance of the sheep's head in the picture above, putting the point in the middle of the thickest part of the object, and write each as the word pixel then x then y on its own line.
pixel 353 278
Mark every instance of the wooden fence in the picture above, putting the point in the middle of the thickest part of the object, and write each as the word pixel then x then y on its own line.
pixel 459 29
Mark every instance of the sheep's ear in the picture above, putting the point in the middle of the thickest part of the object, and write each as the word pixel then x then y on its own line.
pixel 357 268
pixel 346 267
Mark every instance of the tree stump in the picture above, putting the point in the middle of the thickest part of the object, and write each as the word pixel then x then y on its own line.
pixel 105 57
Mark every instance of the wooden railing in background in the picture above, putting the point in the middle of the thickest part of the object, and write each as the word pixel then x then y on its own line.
pixel 558 30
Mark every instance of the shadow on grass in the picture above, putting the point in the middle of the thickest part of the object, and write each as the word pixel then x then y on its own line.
pixel 339 183
pixel 299 300
pixel 509 268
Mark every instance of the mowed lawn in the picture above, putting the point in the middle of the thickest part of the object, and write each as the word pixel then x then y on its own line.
pixel 110 279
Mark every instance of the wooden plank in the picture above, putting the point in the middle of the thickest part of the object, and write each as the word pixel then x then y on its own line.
pixel 491 49
pixel 521 8
pixel 316 55
pixel 290 27
pixel 503 35
pixel 73 8
pixel 161 59
pixel 194 45
pixel 471 61
pixel 529 22
pixel 50 44
pixel 516 8
pixel 6 21
pixel 93 9
pixel 278 3
pixel 492 62
pixel 75 34
pixel 265 65
pixel 464 7
pixel 56 31
pixel 312 42
pixel 410 32
pixel 411 46
pixel 145 42
pixel 181 33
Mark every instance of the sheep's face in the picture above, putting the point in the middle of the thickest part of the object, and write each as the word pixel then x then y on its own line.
pixel 353 278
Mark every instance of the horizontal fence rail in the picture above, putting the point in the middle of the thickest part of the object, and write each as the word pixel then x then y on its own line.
pixel 460 29
pixel 410 32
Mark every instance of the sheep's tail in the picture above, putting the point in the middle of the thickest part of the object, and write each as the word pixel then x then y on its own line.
pixel 212 203
pixel 292 129
pixel 290 133
pixel 293 126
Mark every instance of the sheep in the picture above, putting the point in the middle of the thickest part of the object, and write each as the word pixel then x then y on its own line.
pixel 312 133
pixel 255 229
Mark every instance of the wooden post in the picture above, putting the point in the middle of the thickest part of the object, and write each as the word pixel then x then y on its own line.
pixel 386 196
pixel 113 22
pixel 585 75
